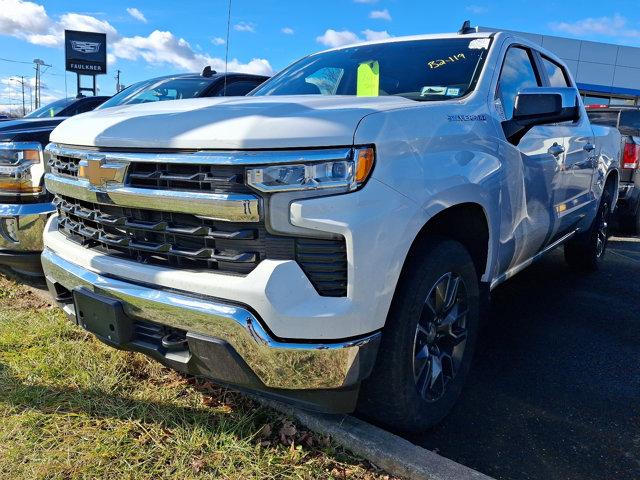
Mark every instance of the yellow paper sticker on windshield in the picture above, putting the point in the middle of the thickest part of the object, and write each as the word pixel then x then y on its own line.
pixel 368 79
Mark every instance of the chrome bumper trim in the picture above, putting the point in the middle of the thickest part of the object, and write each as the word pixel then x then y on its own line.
pixel 16 210
pixel 224 207
pixel 22 226
pixel 281 365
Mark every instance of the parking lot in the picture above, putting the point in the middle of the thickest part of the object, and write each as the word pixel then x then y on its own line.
pixel 555 388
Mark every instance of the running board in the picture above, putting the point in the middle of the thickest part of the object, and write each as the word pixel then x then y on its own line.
pixel 518 268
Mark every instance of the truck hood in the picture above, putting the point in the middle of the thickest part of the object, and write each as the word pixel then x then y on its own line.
pixel 10 128
pixel 226 123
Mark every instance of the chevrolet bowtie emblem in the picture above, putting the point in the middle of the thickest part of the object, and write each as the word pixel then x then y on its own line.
pixel 100 172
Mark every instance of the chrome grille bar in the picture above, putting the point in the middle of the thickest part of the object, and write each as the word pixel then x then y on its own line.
pixel 216 206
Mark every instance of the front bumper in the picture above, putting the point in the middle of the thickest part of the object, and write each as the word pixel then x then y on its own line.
pixel 225 341
pixel 21 229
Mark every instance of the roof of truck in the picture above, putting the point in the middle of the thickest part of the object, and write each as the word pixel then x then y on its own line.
pixel 409 38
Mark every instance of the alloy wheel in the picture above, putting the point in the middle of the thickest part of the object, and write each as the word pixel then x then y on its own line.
pixel 440 336
pixel 603 231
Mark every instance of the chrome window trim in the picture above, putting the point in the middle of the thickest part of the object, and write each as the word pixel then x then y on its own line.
pixel 204 157
pixel 216 206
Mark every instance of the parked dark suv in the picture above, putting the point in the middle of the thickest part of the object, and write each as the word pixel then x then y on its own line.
pixel 627 120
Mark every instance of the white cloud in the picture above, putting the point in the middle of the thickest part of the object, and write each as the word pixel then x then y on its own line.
pixel 477 9
pixel 137 14
pixel 75 21
pixel 30 22
pixel 615 26
pixel 25 20
pixel 380 15
pixel 245 27
pixel 165 48
pixel 333 38
pixel 287 31
pixel 218 41
pixel 372 35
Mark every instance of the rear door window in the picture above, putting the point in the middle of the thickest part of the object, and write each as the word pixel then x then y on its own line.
pixel 238 88
pixel 556 74
pixel 630 122
pixel 603 117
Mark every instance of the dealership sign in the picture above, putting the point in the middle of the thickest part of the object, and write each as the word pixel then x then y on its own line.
pixel 85 52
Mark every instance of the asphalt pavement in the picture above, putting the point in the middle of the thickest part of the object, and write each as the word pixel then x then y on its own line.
pixel 555 389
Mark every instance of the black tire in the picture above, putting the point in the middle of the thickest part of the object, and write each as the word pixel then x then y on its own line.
pixel 586 252
pixel 391 396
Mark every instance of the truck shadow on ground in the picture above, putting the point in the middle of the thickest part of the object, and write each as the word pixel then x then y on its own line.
pixel 555 388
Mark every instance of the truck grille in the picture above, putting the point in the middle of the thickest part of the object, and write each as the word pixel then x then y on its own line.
pixel 188 178
pixel 175 210
pixel 166 238
pixel 62 165
pixel 186 241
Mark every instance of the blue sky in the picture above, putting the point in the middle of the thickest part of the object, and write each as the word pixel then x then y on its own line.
pixel 150 38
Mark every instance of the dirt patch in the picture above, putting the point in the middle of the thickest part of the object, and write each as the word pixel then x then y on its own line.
pixel 15 294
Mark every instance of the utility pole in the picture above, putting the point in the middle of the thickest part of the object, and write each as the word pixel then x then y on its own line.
pixel 38 65
pixel 24 111
pixel 117 77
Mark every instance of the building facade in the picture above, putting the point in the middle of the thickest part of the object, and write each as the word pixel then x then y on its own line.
pixel 606 74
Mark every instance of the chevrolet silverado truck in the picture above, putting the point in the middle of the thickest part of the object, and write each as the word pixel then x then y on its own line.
pixel 25 206
pixel 331 239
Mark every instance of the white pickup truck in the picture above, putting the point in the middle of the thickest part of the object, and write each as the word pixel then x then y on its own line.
pixel 331 239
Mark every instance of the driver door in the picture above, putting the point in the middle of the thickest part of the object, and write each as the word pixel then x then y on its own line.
pixel 528 223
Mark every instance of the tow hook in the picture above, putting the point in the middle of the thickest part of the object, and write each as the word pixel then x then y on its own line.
pixel 174 341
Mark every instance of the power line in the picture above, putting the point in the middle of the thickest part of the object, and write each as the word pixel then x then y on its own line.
pixel 14 61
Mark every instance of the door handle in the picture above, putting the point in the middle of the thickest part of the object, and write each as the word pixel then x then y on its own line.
pixel 556 150
pixel 589 147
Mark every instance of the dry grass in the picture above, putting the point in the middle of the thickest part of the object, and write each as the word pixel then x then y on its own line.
pixel 73 408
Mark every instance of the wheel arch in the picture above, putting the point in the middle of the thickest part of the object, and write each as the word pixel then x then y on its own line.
pixel 466 222
pixel 612 183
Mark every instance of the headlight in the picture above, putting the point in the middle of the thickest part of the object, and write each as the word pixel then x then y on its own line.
pixel 21 167
pixel 344 173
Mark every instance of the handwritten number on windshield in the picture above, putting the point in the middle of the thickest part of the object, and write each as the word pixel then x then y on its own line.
pixel 433 64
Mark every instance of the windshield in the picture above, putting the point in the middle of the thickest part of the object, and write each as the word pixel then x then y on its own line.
pixel 51 110
pixel 420 70
pixel 158 90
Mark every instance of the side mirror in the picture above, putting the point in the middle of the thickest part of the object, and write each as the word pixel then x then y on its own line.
pixel 541 106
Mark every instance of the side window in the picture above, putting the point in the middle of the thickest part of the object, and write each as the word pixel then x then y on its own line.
pixel 556 74
pixel 82 107
pixel 517 74
pixel 238 89
pixel 88 106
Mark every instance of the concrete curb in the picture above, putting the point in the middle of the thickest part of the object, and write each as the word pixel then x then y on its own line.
pixel 394 454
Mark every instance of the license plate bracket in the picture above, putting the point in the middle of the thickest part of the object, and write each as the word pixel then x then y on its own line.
pixel 102 316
